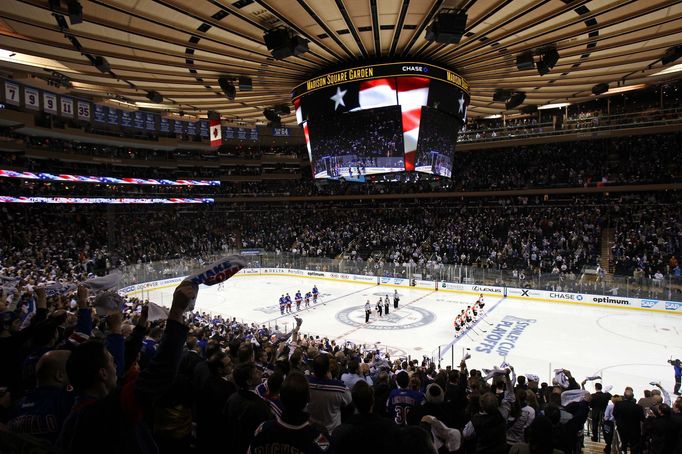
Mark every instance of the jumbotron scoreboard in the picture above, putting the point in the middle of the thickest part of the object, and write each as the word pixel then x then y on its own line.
pixel 382 118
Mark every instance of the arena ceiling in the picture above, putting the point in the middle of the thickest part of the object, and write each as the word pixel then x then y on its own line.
pixel 180 47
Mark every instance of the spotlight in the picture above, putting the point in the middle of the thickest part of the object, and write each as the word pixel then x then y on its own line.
pixel 515 100
pixel 672 54
pixel 271 115
pixel 525 61
pixel 155 97
pixel 75 12
pixel 549 58
pixel 282 109
pixel 501 95
pixel 600 89
pixel 448 27
pixel 283 42
pixel 227 85
pixel 102 64
pixel 245 83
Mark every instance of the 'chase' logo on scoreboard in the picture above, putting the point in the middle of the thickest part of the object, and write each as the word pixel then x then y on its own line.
pixel 419 69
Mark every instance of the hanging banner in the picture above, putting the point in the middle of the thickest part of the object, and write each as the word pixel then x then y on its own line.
pixel 31 98
pixel 84 110
pixel 12 93
pixel 67 107
pixel 50 103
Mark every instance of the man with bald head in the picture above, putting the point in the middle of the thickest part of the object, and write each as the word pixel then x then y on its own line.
pixel 629 417
pixel 44 409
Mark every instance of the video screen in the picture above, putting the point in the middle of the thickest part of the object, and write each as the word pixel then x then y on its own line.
pixel 437 140
pixel 374 126
pixel 356 144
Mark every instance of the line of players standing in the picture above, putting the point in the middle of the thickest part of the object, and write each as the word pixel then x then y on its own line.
pixel 467 317
pixel 382 306
pixel 285 301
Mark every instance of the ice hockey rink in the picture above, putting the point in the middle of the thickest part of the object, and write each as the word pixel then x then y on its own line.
pixel 625 347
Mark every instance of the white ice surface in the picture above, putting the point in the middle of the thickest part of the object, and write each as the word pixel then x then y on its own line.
pixel 625 347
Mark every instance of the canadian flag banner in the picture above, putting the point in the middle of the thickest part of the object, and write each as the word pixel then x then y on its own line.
pixel 216 135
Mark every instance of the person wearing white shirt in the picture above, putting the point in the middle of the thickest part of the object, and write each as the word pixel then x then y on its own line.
pixel 355 374
pixel 608 425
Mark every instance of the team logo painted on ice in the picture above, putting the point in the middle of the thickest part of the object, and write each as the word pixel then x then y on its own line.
pixel 404 318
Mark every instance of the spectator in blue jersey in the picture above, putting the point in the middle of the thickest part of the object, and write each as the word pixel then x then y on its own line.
pixel 678 375
pixel 292 432
pixel 365 428
pixel 403 400
pixel 43 410
pixel 328 397
pixel 489 425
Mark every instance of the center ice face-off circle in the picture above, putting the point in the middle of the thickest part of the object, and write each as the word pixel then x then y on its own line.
pixel 403 318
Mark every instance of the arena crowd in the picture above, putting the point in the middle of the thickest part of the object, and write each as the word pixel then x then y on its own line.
pixel 79 369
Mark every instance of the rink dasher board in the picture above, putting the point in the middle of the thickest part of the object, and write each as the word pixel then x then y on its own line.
pixel 647 305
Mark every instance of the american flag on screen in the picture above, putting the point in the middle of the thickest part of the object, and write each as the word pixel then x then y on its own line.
pixel 411 93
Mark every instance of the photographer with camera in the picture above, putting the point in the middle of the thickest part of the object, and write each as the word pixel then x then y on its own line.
pixel 678 375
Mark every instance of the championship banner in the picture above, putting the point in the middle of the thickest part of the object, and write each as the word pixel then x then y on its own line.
pixel 31 98
pixel 66 107
pixel 215 133
pixel 84 110
pixel 12 93
pixel 50 103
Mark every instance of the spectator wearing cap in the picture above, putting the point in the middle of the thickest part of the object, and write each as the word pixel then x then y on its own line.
pixel 293 431
pixel 434 405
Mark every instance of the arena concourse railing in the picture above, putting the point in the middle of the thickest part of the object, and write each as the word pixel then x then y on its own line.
pixel 592 281
pixel 587 123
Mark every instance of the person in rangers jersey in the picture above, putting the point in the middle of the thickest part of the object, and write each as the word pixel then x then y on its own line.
pixel 306 300
pixel 298 298
pixel 292 432
pixel 282 304
pixel 288 300
pixel 316 293
pixel 403 400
